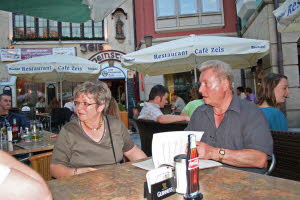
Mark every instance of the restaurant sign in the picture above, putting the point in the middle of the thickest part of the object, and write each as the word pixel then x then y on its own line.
pixel 113 73
pixel 103 56
pixel 10 54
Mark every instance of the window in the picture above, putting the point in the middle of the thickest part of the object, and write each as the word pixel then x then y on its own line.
pixel 30 28
pixel 165 8
pixel 76 30
pixel 183 15
pixel 19 29
pixel 43 28
pixel 210 6
pixel 187 7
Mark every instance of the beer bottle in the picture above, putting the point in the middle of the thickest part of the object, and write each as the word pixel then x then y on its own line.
pixel 192 170
pixel 15 130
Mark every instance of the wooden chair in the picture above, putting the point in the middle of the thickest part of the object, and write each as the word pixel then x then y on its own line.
pixel 41 164
pixel 147 128
pixel 286 150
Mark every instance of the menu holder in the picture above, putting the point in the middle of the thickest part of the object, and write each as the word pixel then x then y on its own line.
pixel 161 189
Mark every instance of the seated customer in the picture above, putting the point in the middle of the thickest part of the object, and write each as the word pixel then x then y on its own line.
pixel 41 103
pixel 178 102
pixel 273 92
pixel 6 116
pixel 235 131
pixel 94 139
pixel 189 109
pixel 18 181
pixel 157 99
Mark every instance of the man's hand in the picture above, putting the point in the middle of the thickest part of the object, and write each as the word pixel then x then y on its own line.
pixel 206 151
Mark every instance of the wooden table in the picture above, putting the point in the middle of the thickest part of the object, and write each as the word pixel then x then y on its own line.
pixel 126 182
pixel 43 144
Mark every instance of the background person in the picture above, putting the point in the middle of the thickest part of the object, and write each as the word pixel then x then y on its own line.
pixel 158 97
pixel 6 116
pixel 113 108
pixel 235 131
pixel 273 92
pixel 93 140
pixel 41 103
pixel 18 181
pixel 240 92
pixel 179 104
pixel 249 95
pixel 189 109
pixel 52 105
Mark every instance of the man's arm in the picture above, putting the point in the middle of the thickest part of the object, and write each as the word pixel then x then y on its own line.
pixel 30 185
pixel 166 119
pixel 238 158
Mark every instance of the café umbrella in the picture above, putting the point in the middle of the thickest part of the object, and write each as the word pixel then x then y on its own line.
pixel 55 68
pixel 76 11
pixel 288 16
pixel 187 53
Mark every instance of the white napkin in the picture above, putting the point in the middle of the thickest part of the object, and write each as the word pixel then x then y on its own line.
pixel 166 145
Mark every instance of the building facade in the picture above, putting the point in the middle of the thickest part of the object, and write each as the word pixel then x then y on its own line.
pixel 258 22
pixel 102 42
pixel 160 21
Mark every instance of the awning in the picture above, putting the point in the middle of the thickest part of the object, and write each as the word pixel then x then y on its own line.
pixel 288 16
pixel 76 11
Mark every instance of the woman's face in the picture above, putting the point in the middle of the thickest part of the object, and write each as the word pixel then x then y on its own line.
pixel 87 108
pixel 281 91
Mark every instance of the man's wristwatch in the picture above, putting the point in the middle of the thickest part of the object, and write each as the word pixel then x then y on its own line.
pixel 221 154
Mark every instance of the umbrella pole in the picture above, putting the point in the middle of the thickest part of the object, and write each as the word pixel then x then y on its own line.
pixel 61 103
pixel 195 73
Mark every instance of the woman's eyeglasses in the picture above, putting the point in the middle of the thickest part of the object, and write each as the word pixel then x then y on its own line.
pixel 85 104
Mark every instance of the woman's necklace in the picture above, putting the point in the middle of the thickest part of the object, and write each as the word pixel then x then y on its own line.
pixel 94 129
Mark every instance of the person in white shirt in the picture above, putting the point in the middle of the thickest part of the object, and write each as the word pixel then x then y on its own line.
pixel 158 97
pixel 240 92
pixel 18 181
pixel 70 104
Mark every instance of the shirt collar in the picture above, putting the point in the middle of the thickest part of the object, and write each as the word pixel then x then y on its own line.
pixel 235 105
pixel 151 104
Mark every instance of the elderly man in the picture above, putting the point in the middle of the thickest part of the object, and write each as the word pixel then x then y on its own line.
pixel 158 97
pixel 235 130
pixel 6 116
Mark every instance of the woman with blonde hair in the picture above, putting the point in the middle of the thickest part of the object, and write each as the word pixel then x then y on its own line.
pixel 273 92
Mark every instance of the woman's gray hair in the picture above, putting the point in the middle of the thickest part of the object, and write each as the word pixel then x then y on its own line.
pixel 99 91
pixel 223 69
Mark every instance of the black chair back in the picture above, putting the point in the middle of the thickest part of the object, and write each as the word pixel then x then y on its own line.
pixel 287 153
pixel 60 116
pixel 147 128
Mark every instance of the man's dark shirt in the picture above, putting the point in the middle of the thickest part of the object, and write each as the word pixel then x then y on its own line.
pixel 244 126
pixel 22 121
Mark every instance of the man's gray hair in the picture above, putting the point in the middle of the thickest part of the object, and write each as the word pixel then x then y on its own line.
pixel 223 69
pixel 99 91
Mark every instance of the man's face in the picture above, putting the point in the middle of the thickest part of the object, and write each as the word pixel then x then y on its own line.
pixel 5 102
pixel 212 87
pixel 238 92
pixel 163 100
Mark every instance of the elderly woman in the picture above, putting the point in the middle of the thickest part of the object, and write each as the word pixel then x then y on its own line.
pixel 94 139
pixel 272 92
